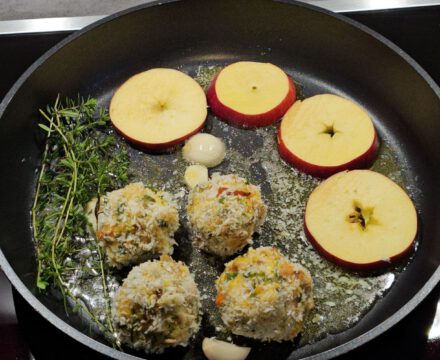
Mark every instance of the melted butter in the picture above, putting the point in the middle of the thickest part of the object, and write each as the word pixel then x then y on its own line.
pixel 341 297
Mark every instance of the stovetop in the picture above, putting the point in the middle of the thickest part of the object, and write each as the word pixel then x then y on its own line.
pixel 25 335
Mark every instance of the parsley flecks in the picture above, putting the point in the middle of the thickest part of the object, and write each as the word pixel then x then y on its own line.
pixel 231 276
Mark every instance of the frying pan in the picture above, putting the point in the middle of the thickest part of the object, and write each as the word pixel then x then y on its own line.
pixel 327 52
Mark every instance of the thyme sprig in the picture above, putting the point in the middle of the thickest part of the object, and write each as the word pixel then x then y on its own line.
pixel 81 160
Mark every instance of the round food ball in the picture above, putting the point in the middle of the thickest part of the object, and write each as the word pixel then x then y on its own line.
pixel 157 306
pixel 224 213
pixel 262 295
pixel 135 224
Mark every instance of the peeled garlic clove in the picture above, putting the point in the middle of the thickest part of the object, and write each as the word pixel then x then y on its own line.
pixel 195 175
pixel 205 149
pixel 220 350
pixel 92 222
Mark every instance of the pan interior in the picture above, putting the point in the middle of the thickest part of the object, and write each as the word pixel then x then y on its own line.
pixel 322 53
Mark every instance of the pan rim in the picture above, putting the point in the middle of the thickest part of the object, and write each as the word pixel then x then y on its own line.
pixel 107 350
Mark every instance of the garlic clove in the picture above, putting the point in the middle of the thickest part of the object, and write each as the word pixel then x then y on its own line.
pixel 220 350
pixel 205 149
pixel 195 175
pixel 92 222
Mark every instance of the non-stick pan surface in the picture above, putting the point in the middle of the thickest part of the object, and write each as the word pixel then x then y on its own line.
pixel 325 52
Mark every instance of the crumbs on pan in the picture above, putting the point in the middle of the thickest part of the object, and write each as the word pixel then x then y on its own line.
pixel 341 297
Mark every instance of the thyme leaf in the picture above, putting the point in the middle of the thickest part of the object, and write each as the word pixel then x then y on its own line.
pixel 81 160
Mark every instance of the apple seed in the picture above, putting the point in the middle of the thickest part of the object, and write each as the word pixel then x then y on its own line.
pixel 363 216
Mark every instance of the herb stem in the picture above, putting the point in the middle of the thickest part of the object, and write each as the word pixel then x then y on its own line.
pixel 80 161
pixel 106 296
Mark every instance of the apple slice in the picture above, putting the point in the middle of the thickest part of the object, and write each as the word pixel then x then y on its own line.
pixel 158 108
pixel 325 134
pixel 251 94
pixel 361 220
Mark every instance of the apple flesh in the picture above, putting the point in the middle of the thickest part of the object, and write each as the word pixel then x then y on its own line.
pixel 159 108
pixel 326 134
pixel 360 220
pixel 251 94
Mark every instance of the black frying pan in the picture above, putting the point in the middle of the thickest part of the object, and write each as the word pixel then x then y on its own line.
pixel 327 52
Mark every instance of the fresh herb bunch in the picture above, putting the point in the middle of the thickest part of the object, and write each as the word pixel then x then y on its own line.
pixel 81 160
